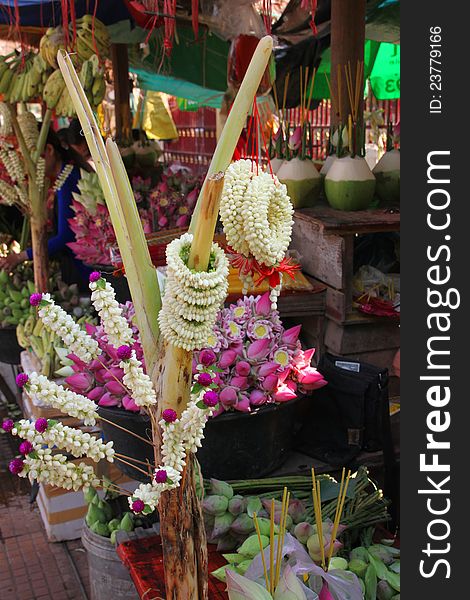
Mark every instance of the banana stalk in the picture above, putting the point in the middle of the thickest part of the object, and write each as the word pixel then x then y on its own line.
pixel 237 118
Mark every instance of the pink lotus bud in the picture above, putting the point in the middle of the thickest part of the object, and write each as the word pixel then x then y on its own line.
pixel 270 382
pixel 96 393
pixel 325 593
pixel 162 222
pixel 267 369
pixel 114 387
pixel 95 364
pixel 239 382
pixel 258 349
pixel 192 197
pixel 243 368
pixel 295 139
pixel 284 394
pixel 100 375
pixel 243 405
pixel 296 510
pixel 228 396
pixel 263 305
pixel 257 398
pixel 79 382
pixel 129 404
pixel 114 373
pixel 77 361
pixel 310 379
pixel 290 336
pixel 227 358
pixel 109 400
pixel 182 221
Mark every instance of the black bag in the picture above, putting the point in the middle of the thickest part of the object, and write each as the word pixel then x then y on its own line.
pixel 349 415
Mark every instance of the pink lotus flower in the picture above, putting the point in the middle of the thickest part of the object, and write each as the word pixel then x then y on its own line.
pixel 284 394
pixel 243 405
pixel 267 369
pixel 257 398
pixel 227 358
pixel 310 379
pixel 263 305
pixel 129 404
pixel 290 336
pixel 80 382
pixel 259 349
pixel 108 399
pixel 243 368
pixel 228 396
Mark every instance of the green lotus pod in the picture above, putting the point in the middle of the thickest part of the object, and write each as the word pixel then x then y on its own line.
pixel 127 523
pixel 222 524
pixel 303 531
pixel 100 529
pixel 358 567
pixel 114 524
pixel 237 505
pixel 384 591
pixel 89 494
pixel 221 488
pixel 243 567
pixel 94 514
pixel 215 505
pixel 338 563
pixel 243 525
pixel 106 508
pixel 360 553
pixel 251 547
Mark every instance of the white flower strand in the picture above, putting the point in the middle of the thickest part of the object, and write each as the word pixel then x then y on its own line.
pixel 115 325
pixel 138 382
pixel 62 178
pixel 74 441
pixel 56 470
pixel 192 299
pixel 66 401
pixel 237 178
pixel 55 319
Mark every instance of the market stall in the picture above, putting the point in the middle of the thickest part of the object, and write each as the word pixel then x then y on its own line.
pixel 200 291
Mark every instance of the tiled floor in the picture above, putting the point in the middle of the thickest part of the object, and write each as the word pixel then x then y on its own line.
pixel 31 567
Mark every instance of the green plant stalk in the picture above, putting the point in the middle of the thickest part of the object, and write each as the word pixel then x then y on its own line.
pixel 25 231
pixel 46 122
pixel 237 118
pixel 141 274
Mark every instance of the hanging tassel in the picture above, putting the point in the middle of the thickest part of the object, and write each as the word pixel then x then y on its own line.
pixel 18 33
pixel 267 15
pixel 310 6
pixel 195 17
pixel 65 18
pixel 73 19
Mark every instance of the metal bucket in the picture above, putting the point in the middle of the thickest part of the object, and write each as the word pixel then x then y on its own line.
pixel 109 578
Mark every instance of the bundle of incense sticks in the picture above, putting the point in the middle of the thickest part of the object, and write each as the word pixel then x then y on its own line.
pixel 343 488
pixel 273 575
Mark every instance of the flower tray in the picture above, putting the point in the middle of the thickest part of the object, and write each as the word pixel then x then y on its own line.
pixel 144 559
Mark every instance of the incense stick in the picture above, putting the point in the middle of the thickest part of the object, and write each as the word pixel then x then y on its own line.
pixel 301 95
pixel 255 519
pixel 282 535
pixel 318 516
pixel 340 108
pixel 304 105
pixel 271 550
pixel 282 524
pixel 339 509
pixel 311 89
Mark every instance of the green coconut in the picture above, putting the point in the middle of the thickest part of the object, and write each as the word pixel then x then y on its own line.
pixel 276 164
pixel 327 165
pixel 387 174
pixel 350 184
pixel 302 180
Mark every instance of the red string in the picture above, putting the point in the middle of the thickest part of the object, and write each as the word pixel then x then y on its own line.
pixel 95 45
pixel 195 17
pixel 267 15
pixel 265 148
pixel 312 21
pixel 73 19
pixel 65 17
pixel 18 32
pixel 247 144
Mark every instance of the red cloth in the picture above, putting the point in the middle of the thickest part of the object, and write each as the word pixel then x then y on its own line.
pixel 144 559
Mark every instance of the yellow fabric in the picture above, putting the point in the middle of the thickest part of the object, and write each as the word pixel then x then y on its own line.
pixel 158 122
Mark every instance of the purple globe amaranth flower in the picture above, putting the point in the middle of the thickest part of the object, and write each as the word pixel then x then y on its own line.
pixel 138 505
pixel 161 476
pixel 243 368
pixel 259 349
pixel 8 425
pixel 94 276
pixel 16 466
pixel 227 358
pixel 21 380
pixel 258 398
pixel 207 357
pixel 26 447
pixel 210 399
pixel 80 382
pixel 263 305
pixel 41 425
pixel 35 299
pixel 204 379
pixel 290 336
pixel 169 415
pixel 228 396
pixel 124 352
